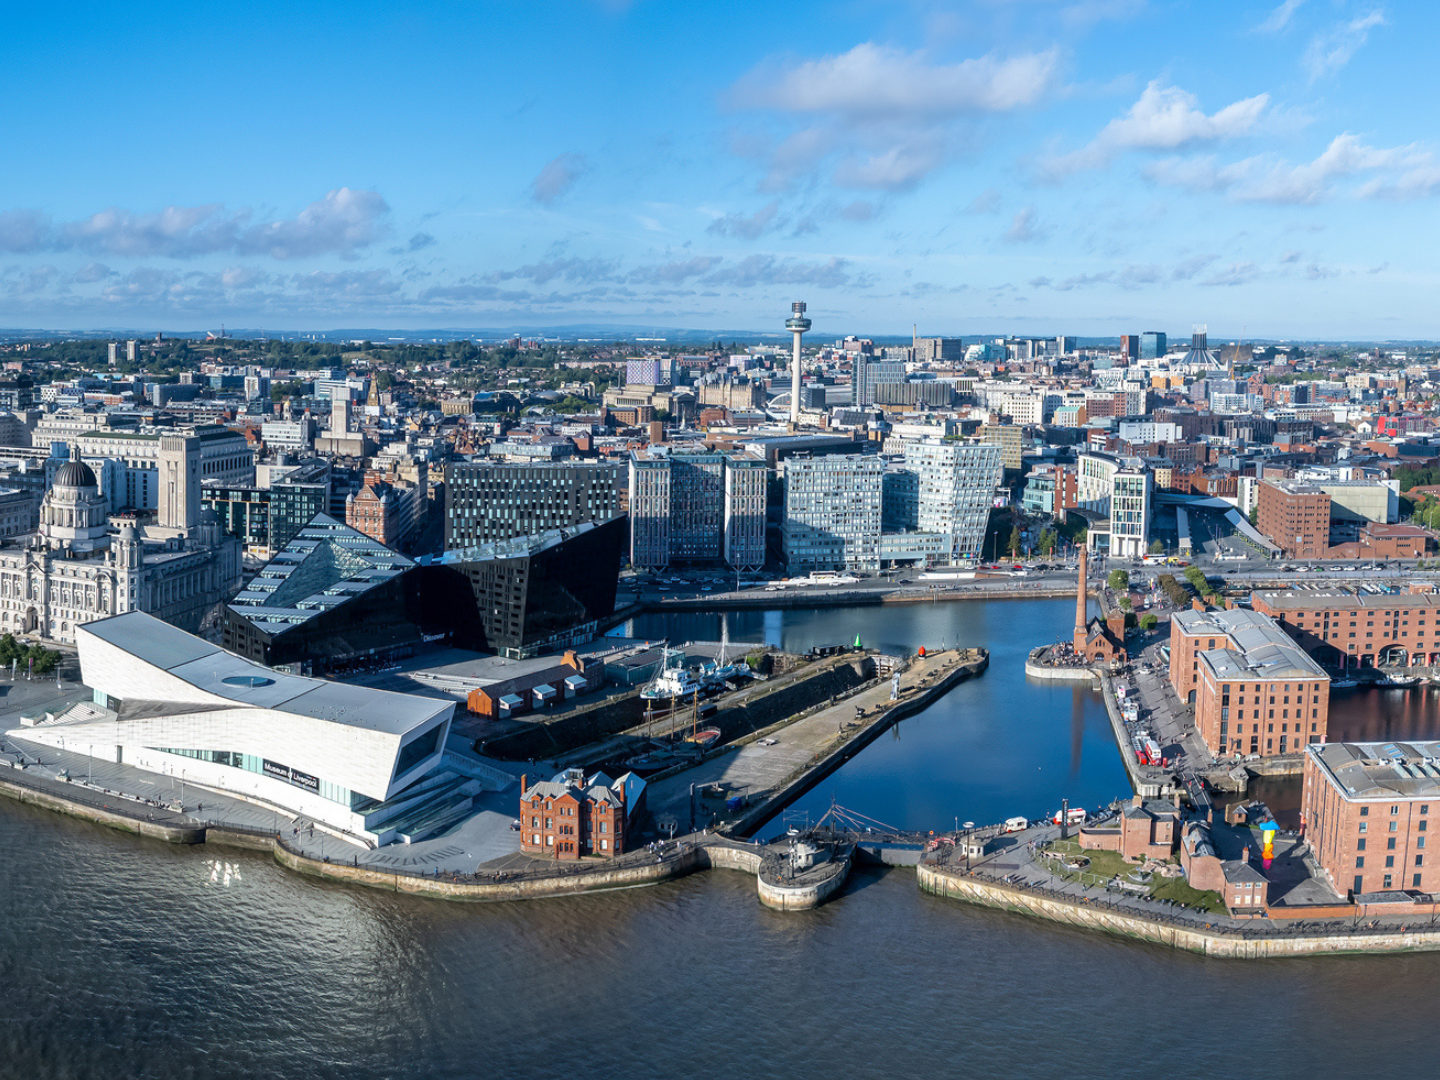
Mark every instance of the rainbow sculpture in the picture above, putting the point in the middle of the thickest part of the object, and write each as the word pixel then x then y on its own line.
pixel 1268 829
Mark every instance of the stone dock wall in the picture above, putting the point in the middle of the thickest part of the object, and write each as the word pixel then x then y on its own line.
pixel 762 811
pixel 1256 946
pixel 118 817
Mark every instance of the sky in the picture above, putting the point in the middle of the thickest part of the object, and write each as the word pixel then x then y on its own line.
pixel 1088 167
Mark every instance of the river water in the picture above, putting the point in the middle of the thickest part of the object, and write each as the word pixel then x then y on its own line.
pixel 121 957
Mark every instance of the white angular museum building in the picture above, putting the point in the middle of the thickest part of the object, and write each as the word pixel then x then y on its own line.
pixel 366 763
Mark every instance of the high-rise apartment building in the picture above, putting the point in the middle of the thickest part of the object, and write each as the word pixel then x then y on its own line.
pixel 489 501
pixel 945 489
pixel 833 512
pixel 696 508
pixel 868 373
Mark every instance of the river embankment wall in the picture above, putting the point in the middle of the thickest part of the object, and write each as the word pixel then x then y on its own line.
pixel 52 795
pixel 1235 944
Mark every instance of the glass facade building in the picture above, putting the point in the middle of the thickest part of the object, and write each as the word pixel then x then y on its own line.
pixel 490 501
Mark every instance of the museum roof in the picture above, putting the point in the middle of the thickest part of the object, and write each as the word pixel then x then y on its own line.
pixel 218 673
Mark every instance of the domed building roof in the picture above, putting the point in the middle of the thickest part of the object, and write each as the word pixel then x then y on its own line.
pixel 75 474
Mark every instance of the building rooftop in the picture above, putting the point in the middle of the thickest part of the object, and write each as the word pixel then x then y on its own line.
pixel 220 675
pixel 1262 649
pixel 1344 598
pixel 1390 770
pixel 326 564
pixel 518 547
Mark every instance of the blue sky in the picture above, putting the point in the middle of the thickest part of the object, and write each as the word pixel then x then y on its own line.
pixel 1090 167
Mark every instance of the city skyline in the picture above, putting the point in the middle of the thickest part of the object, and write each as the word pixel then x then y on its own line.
pixel 1093 167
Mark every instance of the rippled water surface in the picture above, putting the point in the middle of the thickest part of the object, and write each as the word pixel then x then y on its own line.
pixel 122 957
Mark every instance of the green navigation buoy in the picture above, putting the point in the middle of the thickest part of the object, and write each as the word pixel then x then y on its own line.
pixel 857 644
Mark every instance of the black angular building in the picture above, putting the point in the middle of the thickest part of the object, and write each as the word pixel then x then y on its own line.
pixel 534 594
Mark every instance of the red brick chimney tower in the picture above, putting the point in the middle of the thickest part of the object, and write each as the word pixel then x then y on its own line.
pixel 1080 605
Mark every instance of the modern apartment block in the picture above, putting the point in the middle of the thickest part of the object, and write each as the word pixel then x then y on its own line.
pixel 832 513
pixel 267 518
pixel 869 373
pixel 697 508
pixel 1121 489
pixel 1366 808
pixel 1254 690
pixel 944 489
pixel 488 501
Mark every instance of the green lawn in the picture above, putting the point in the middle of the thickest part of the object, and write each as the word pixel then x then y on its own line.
pixel 1105 865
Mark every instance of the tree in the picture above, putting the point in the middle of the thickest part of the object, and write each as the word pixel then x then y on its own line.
pixel 1047 541
pixel 1255 515
pixel 1015 541
pixel 1156 547
pixel 1119 580
pixel 1148 621
pixel 1125 604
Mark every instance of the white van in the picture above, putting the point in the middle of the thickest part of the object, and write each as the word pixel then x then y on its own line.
pixel 1016 824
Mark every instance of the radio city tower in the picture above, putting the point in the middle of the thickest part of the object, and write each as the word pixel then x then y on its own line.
pixel 797 324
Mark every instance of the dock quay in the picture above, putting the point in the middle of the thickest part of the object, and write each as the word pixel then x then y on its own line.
pixel 1195 932
pixel 771 768
pixel 1147 780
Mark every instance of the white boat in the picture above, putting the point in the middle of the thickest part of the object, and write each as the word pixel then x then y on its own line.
pixel 1343 684
pixel 675 679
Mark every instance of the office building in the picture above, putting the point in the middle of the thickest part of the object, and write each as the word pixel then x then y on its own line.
pixel 832 518
pixel 696 508
pixel 1295 517
pixel 487 501
pixel 1254 690
pixel 938 350
pixel 576 815
pixel 158 468
pixel 868 373
pixel 1153 345
pixel 264 518
pixel 332 596
pixel 1121 489
pixel 1130 347
pixel 74 570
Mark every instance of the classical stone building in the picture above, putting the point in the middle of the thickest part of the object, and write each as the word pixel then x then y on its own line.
pixel 75 568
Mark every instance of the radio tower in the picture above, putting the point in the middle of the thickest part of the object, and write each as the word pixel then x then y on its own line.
pixel 797 324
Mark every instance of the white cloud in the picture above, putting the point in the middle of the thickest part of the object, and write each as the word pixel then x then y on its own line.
pixel 898 168
pixel 876 80
pixel 1164 118
pixel 341 223
pixel 1280 17
pixel 887 117
pixel 1332 50
pixel 745 227
pixel 1024 228
pixel 1408 172
pixel 558 177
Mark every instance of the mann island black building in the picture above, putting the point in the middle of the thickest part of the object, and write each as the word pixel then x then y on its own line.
pixel 334 597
